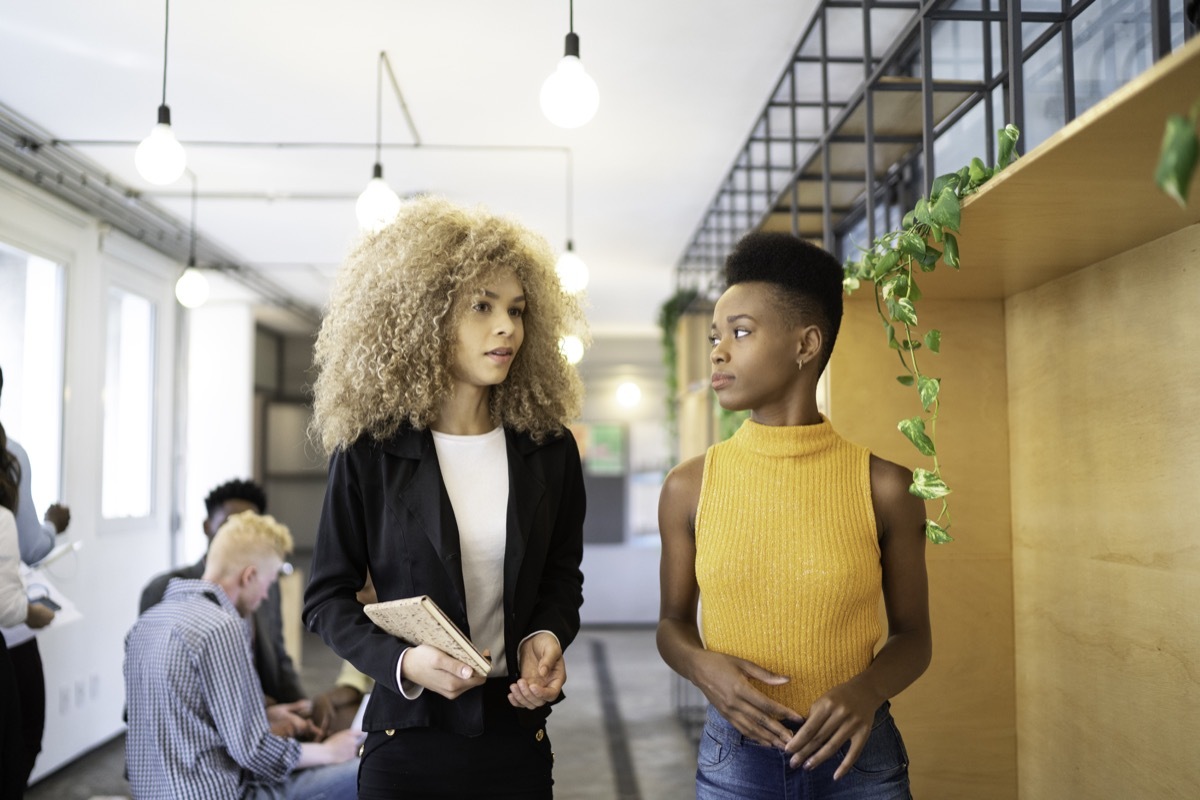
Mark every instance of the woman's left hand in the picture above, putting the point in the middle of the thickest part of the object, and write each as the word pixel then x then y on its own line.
pixel 543 672
pixel 845 712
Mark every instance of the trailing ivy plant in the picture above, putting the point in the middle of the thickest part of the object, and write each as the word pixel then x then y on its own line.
pixel 890 265
pixel 1178 155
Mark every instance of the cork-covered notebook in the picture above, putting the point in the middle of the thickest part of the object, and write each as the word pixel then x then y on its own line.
pixel 420 621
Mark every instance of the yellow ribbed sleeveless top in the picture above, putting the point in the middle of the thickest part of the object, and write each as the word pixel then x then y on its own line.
pixel 787 556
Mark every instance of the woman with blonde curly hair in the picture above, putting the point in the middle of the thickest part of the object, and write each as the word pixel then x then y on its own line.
pixel 443 400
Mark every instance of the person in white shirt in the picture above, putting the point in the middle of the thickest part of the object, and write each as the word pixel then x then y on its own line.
pixel 444 401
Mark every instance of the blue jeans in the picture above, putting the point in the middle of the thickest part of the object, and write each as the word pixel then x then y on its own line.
pixel 731 767
pixel 332 782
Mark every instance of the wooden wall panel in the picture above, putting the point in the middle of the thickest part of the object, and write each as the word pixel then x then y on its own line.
pixel 1104 399
pixel 958 720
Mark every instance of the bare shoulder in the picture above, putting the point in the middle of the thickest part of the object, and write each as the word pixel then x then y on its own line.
pixel 894 505
pixel 681 489
pixel 889 480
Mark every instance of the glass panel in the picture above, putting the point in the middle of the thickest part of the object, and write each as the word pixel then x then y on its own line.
pixel 1044 112
pixel 128 477
pixel 31 354
pixel 956 49
pixel 1112 45
pixel 963 141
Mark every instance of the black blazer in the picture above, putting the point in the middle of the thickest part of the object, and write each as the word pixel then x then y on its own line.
pixel 386 509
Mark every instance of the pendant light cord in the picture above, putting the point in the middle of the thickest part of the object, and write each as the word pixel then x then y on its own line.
pixel 570 199
pixel 379 108
pixel 571 16
pixel 166 31
pixel 192 246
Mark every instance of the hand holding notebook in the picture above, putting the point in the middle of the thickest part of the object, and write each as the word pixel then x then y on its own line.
pixel 420 621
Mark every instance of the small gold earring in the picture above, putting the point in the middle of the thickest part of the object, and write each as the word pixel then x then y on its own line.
pixel 801 366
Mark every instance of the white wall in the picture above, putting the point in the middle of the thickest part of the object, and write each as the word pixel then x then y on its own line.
pixel 219 443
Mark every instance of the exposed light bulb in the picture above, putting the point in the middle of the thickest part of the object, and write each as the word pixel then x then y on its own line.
pixel 569 96
pixel 572 349
pixel 378 204
pixel 572 272
pixel 629 394
pixel 191 290
pixel 160 158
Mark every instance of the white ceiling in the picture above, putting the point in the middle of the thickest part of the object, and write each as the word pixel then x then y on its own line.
pixel 680 85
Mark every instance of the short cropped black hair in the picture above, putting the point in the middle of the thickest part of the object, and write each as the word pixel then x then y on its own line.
pixel 246 490
pixel 808 277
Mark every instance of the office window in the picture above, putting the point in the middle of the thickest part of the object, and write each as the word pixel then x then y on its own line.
pixel 128 476
pixel 31 355
pixel 1112 45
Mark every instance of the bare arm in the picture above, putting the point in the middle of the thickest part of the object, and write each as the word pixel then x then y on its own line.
pixel 847 711
pixel 724 680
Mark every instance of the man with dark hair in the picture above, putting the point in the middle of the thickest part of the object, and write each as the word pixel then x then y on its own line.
pixel 276 672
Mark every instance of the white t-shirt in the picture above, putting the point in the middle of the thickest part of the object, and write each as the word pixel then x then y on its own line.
pixel 475 471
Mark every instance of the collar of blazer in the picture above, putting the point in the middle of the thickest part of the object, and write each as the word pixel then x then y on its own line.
pixel 527 488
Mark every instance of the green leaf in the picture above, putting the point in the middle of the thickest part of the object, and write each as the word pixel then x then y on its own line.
pixel 922 212
pixel 947 212
pixel 941 182
pixel 979 171
pixel 951 254
pixel 886 263
pixel 1177 159
pixel 912 244
pixel 927 485
pixel 928 387
pixel 929 259
pixel 933 340
pixel 850 285
pixel 905 380
pixel 901 310
pixel 910 344
pixel 909 220
pixel 914 430
pixel 1007 137
pixel 891 335
pixel 936 533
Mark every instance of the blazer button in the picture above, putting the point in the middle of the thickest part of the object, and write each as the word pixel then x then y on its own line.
pixel 361 747
pixel 390 731
pixel 541 734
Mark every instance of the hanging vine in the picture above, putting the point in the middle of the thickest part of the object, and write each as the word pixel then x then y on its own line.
pixel 889 266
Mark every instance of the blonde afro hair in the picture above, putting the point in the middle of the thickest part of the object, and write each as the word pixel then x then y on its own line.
pixel 247 538
pixel 386 343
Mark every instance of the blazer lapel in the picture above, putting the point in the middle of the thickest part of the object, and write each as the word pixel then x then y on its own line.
pixel 526 487
pixel 425 497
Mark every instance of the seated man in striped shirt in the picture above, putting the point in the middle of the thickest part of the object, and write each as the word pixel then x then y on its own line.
pixel 197 726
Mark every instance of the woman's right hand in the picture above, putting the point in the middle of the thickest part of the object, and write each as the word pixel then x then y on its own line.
pixel 38 616
pixel 725 681
pixel 427 666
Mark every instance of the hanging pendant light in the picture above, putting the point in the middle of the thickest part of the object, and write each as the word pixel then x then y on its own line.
pixel 191 290
pixel 378 204
pixel 160 157
pixel 569 96
pixel 572 271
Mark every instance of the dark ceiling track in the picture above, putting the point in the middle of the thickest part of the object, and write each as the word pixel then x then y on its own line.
pixel 84 184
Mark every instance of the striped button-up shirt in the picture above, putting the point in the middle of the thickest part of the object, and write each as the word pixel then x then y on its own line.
pixel 197 726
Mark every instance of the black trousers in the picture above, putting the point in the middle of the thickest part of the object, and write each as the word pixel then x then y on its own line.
pixel 13 774
pixel 507 761
pixel 31 684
